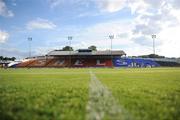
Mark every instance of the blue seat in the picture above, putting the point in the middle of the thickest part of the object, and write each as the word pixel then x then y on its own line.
pixel 134 62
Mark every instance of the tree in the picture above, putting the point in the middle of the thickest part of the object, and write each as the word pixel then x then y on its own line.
pixel 93 48
pixel 155 56
pixel 1 57
pixel 13 58
pixel 151 56
pixel 67 48
pixel 7 58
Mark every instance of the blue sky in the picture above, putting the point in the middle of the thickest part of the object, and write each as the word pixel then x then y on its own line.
pixel 49 22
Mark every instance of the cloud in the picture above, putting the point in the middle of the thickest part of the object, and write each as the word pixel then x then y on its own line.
pixel 102 5
pixel 176 4
pixel 70 3
pixel 151 19
pixel 146 41
pixel 110 5
pixel 160 17
pixel 170 41
pixel 143 40
pixel 4 11
pixel 133 35
pixel 146 29
pixel 55 3
pixel 40 24
pixel 3 36
pixel 98 35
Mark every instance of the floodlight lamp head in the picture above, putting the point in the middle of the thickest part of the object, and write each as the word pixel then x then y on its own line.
pixel 70 37
pixel 30 38
pixel 111 36
pixel 153 36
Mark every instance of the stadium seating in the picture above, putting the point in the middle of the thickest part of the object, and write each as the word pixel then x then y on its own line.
pixel 78 63
pixel 38 63
pixel 25 63
pixel 103 63
pixel 58 63
pixel 134 62
pixel 89 58
pixel 169 64
pixel 75 62
pixel 91 63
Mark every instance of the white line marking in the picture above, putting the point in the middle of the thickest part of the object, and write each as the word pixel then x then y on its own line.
pixel 101 103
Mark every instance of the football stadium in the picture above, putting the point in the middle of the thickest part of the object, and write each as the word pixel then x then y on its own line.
pixel 89 60
pixel 90 85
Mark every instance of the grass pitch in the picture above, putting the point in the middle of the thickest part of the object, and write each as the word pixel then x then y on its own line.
pixel 63 94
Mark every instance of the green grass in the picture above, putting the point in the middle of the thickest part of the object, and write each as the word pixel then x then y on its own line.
pixel 43 94
pixel 146 94
pixel 53 94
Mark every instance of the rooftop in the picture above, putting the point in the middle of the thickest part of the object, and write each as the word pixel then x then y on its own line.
pixel 79 52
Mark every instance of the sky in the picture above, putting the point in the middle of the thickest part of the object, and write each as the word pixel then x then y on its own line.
pixel 89 22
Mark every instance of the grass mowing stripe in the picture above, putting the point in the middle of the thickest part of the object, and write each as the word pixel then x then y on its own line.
pixel 101 104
